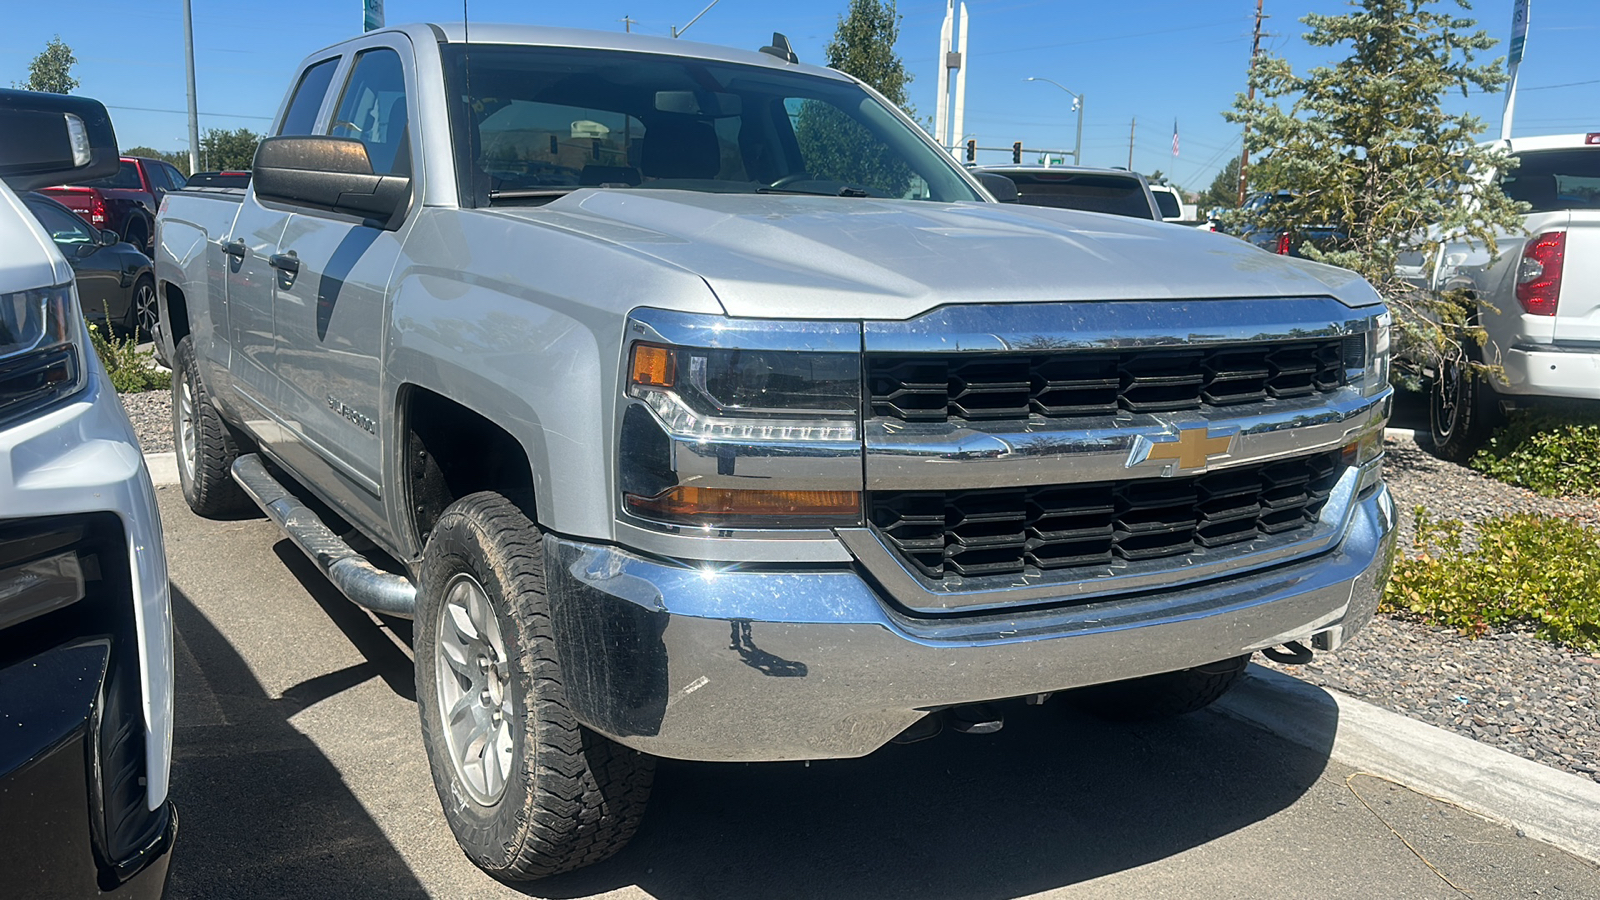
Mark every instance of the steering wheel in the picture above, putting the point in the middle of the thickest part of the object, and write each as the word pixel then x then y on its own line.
pixel 791 178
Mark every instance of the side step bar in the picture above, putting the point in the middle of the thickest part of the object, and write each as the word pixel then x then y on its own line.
pixel 365 584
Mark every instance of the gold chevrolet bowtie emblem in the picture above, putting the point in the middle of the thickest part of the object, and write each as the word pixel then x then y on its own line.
pixel 1193 448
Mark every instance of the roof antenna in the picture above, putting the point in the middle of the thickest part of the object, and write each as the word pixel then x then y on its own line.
pixel 779 48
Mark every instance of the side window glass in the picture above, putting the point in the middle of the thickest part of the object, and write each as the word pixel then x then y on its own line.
pixel 302 114
pixel 372 109
pixel 175 178
pixel 64 228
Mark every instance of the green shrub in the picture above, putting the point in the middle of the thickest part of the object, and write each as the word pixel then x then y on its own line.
pixel 132 370
pixel 1534 571
pixel 1546 453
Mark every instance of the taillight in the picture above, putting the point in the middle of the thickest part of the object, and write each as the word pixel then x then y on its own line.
pixel 1539 273
pixel 1283 243
pixel 97 209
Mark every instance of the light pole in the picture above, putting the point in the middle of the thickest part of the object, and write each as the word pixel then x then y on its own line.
pixel 1077 104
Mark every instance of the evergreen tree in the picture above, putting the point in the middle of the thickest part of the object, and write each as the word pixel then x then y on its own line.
pixel 51 70
pixel 1365 146
pixel 1224 189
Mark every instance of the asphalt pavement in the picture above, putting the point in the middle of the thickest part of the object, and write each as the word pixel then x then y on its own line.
pixel 299 772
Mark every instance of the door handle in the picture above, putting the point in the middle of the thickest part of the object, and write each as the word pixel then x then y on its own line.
pixel 235 248
pixel 288 263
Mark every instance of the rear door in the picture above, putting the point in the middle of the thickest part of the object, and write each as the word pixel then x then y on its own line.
pixel 331 314
pixel 252 282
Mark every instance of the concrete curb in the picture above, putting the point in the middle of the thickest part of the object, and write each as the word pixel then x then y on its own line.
pixel 1552 806
pixel 163 467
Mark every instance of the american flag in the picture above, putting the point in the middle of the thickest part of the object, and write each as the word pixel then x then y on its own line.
pixel 1174 137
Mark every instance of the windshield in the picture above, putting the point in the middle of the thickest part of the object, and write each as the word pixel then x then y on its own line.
pixel 537 122
pixel 1549 180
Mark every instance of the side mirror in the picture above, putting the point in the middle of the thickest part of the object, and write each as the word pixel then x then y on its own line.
pixel 108 237
pixel 1003 189
pixel 328 173
pixel 49 139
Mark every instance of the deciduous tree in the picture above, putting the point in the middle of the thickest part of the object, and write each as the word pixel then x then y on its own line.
pixel 229 150
pixel 51 70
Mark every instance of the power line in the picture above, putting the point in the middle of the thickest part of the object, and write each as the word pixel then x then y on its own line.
pixel 184 112
pixel 1551 87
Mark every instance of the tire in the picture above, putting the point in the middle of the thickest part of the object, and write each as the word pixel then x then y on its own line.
pixel 1161 696
pixel 205 445
pixel 549 796
pixel 143 310
pixel 138 234
pixel 1462 412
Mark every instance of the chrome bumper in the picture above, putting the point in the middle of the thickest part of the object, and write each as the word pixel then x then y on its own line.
pixel 762 665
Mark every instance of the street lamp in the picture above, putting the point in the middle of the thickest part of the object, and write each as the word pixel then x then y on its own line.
pixel 1077 104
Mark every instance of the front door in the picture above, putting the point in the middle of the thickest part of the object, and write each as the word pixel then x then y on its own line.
pixel 331 314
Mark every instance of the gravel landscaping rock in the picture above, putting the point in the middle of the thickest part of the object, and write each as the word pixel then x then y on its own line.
pixel 1510 690
pixel 151 415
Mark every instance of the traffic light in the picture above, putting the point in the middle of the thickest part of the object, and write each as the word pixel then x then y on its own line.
pixel 972 151
pixel 1016 152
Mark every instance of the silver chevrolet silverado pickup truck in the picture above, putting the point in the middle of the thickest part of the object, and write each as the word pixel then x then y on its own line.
pixel 696 405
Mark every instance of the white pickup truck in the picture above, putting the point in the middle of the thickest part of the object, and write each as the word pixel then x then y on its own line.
pixel 698 405
pixel 1538 299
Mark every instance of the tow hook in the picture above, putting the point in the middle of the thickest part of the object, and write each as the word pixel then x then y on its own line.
pixel 1293 653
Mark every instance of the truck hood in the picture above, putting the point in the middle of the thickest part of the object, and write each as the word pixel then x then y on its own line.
pixel 796 256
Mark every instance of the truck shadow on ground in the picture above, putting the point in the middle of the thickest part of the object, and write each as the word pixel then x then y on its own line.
pixel 263 811
pixel 1055 799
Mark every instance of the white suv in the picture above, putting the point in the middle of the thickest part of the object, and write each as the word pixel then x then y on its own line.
pixel 85 619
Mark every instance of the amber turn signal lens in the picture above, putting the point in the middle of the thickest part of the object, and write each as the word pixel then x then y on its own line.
pixel 731 506
pixel 652 366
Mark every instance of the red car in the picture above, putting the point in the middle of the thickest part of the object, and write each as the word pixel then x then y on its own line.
pixel 126 202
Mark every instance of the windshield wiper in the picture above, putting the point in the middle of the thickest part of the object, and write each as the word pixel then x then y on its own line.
pixel 549 193
pixel 845 191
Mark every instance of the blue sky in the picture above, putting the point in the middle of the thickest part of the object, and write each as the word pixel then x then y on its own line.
pixel 1150 60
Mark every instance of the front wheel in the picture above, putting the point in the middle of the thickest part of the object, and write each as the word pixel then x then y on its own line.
pixel 142 309
pixel 527 791
pixel 1161 696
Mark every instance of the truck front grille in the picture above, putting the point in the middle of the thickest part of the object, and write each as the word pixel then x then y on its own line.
pixel 1102 526
pixel 1066 384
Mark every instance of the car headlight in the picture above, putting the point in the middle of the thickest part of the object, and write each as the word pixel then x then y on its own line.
pixel 40 359
pixel 1376 377
pixel 741 423
pixel 763 395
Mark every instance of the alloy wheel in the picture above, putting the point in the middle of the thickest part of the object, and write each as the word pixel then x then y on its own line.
pixel 473 679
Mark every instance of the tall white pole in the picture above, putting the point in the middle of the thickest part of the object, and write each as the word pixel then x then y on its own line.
pixel 941 122
pixel 961 82
pixel 1519 44
pixel 194 114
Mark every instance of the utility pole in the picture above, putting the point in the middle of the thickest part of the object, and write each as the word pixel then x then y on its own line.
pixel 1131 126
pixel 1244 155
pixel 627 24
pixel 194 115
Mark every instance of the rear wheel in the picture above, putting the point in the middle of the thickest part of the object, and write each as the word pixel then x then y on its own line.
pixel 527 791
pixel 1161 696
pixel 142 310
pixel 1462 411
pixel 205 444
pixel 138 234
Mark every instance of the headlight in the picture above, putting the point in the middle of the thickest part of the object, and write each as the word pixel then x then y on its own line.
pixel 741 423
pixel 762 395
pixel 40 363
pixel 1377 374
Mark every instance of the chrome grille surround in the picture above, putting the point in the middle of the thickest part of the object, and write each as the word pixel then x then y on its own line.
pixel 1033 454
